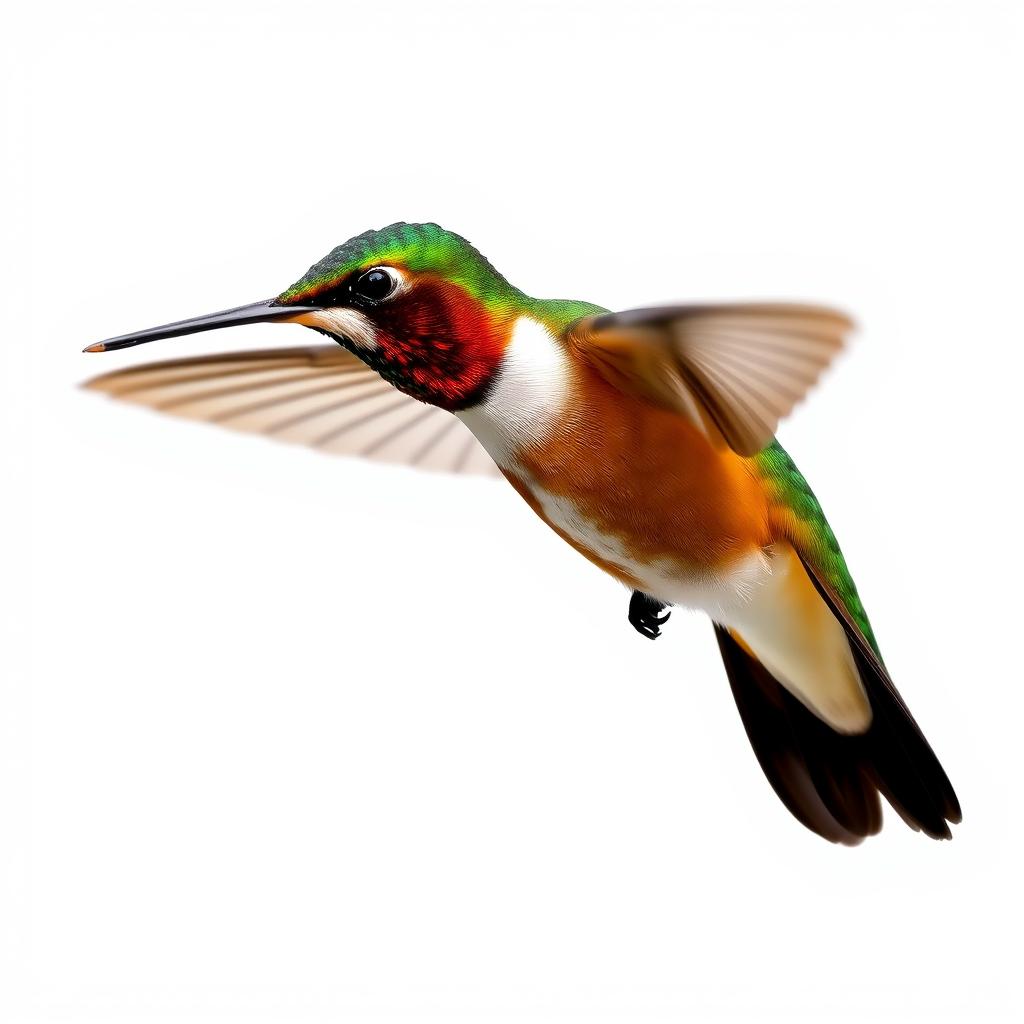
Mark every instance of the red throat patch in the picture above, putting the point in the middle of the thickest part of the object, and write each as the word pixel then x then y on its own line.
pixel 439 344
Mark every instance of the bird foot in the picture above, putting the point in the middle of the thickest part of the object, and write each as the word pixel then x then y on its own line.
pixel 643 614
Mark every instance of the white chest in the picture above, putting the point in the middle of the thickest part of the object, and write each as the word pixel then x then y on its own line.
pixel 528 397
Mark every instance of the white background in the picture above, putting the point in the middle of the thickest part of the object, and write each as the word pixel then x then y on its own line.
pixel 293 738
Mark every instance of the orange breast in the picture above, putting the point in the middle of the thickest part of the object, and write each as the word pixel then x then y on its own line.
pixel 647 480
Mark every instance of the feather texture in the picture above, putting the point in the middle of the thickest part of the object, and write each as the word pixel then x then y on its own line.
pixel 734 370
pixel 321 396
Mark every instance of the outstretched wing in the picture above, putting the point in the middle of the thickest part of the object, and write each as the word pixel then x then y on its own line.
pixel 321 396
pixel 734 369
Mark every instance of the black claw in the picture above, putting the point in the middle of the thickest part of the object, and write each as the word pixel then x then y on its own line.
pixel 643 614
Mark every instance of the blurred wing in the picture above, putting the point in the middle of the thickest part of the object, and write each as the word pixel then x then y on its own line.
pixel 321 396
pixel 741 367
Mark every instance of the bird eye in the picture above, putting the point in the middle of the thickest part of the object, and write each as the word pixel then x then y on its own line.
pixel 375 284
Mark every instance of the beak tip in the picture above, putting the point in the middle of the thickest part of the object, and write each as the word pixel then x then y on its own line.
pixel 95 347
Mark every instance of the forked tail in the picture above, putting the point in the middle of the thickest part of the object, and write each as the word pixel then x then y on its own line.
pixel 830 780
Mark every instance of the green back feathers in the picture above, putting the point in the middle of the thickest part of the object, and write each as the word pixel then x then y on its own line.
pixel 557 315
pixel 810 529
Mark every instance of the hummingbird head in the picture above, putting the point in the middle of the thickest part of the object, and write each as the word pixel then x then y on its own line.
pixel 419 305
pixel 415 302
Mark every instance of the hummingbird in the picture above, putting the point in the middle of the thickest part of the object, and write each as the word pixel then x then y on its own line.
pixel 645 439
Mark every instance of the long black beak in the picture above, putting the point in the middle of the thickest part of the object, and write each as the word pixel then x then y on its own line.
pixel 254 313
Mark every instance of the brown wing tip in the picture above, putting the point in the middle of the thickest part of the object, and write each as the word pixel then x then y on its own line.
pixel 106 382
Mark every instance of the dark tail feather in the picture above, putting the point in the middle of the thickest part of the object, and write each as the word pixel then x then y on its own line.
pixel 902 764
pixel 817 773
pixel 831 781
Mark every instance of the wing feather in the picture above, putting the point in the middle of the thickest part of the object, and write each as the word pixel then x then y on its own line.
pixel 321 396
pixel 743 367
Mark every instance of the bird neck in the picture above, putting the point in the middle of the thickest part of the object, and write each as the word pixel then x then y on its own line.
pixel 527 395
